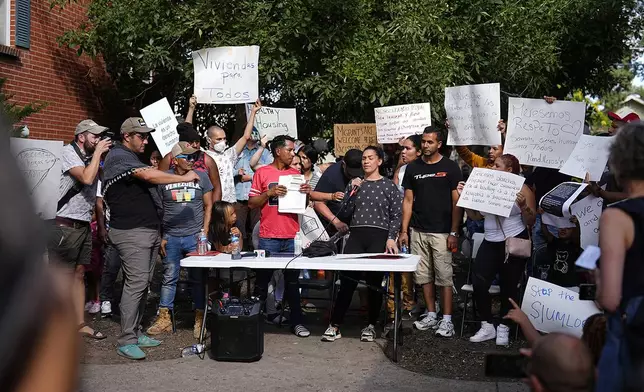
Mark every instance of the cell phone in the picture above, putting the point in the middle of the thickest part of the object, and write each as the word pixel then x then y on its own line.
pixel 505 365
pixel 587 292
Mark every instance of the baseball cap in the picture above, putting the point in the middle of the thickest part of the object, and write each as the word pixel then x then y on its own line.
pixel 624 114
pixel 353 163
pixel 135 124
pixel 89 126
pixel 182 148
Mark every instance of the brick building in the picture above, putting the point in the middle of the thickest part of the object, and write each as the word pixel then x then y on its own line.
pixel 38 69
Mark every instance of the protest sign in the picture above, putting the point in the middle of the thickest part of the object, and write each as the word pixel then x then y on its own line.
pixel 491 191
pixel 552 308
pixel 589 156
pixel 348 136
pixel 588 210
pixel 543 134
pixel 394 122
pixel 160 116
pixel 226 75
pixel 40 164
pixel 557 202
pixel 311 228
pixel 473 113
pixel 273 122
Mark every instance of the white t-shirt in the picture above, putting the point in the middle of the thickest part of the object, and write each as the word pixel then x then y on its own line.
pixel 226 162
pixel 80 206
pixel 511 226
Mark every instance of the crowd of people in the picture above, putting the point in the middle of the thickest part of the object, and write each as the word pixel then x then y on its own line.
pixel 121 210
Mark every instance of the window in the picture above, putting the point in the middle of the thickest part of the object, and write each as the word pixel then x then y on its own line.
pixel 5 21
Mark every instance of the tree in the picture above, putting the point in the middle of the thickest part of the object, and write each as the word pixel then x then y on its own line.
pixel 335 60
pixel 16 113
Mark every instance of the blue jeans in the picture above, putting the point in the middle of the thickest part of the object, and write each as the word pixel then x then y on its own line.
pixel 176 249
pixel 291 292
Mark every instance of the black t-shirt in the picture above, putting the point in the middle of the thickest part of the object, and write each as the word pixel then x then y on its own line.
pixel 131 204
pixel 544 180
pixel 633 277
pixel 333 180
pixel 432 185
pixel 561 267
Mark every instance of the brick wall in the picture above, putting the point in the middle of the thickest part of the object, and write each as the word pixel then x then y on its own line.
pixel 53 74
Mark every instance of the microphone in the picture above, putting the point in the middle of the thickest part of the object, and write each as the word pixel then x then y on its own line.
pixel 354 189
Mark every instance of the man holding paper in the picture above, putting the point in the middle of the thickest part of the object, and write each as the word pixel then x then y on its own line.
pixel 277 230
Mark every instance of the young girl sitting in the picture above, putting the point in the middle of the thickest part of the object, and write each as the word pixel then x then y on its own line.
pixel 222 227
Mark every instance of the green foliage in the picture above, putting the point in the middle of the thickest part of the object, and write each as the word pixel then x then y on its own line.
pixel 335 60
pixel 15 112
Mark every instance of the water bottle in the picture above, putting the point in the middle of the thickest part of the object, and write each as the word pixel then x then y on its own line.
pixel 202 243
pixel 234 252
pixel 193 350
pixel 297 242
pixel 403 249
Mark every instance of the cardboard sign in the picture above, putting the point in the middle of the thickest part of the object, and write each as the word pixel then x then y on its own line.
pixel 273 122
pixel 394 122
pixel 551 308
pixel 311 228
pixel 588 210
pixel 226 75
pixel 589 156
pixel 473 113
pixel 160 116
pixel 39 162
pixel 491 191
pixel 348 136
pixel 543 134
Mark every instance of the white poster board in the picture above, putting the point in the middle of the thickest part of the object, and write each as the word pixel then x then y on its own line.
pixel 226 75
pixel 311 228
pixel 491 191
pixel 40 164
pixel 160 116
pixel 543 134
pixel 590 155
pixel 588 210
pixel 552 308
pixel 473 113
pixel 273 122
pixel 394 122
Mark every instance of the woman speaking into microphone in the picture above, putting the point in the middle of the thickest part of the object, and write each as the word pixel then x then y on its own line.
pixel 375 208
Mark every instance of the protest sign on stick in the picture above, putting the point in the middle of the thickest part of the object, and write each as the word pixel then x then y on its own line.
pixel 543 134
pixel 394 122
pixel 272 122
pixel 491 191
pixel 160 116
pixel 552 308
pixel 589 156
pixel 348 136
pixel 473 113
pixel 40 164
pixel 588 210
pixel 226 75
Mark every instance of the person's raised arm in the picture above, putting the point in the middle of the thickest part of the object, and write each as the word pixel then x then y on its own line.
pixel 192 105
pixel 616 234
pixel 207 211
pixel 157 177
pixel 408 203
pixel 254 160
pixel 164 164
pixel 239 146
pixel 518 316
pixel 528 205
pixel 213 175
pixel 86 175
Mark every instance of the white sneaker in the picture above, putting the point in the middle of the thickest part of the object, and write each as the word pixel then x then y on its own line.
pixel 427 322
pixel 368 334
pixel 106 308
pixel 502 335
pixel 487 332
pixel 94 308
pixel 331 334
pixel 445 329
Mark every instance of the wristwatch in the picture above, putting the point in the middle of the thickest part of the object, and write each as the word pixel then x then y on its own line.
pixel 453 233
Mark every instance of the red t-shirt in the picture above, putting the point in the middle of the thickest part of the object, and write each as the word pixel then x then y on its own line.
pixel 273 224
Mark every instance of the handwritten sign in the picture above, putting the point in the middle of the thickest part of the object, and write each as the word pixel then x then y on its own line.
pixel 226 75
pixel 551 308
pixel 491 191
pixel 473 113
pixel 543 134
pixel 588 210
pixel 394 122
pixel 160 116
pixel 311 228
pixel 589 156
pixel 348 136
pixel 273 122
pixel 39 162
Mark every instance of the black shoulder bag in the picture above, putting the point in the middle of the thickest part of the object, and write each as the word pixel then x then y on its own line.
pixel 77 187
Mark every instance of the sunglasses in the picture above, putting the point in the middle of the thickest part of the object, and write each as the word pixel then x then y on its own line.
pixel 191 157
pixel 143 136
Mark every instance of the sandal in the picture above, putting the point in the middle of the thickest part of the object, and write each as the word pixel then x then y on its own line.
pixel 95 335
pixel 301 331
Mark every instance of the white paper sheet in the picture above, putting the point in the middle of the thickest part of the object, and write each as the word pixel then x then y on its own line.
pixel 160 116
pixel 473 113
pixel 394 122
pixel 589 156
pixel 294 201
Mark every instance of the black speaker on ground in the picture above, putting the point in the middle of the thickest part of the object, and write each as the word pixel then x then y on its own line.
pixel 237 331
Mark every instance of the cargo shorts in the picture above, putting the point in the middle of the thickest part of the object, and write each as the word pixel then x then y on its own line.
pixel 435 265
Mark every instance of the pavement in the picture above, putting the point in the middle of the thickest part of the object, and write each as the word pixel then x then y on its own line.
pixel 289 364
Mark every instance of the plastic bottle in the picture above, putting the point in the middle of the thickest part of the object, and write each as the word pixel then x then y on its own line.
pixel 193 350
pixel 235 252
pixel 297 243
pixel 403 249
pixel 202 243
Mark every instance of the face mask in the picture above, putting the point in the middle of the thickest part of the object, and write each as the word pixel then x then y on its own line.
pixel 220 147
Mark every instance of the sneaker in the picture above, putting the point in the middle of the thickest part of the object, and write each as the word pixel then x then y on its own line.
pixel 502 335
pixel 146 342
pixel 426 323
pixel 106 308
pixel 131 351
pixel 93 307
pixel 368 334
pixel 445 329
pixel 275 319
pixel 331 334
pixel 487 332
pixel 407 314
